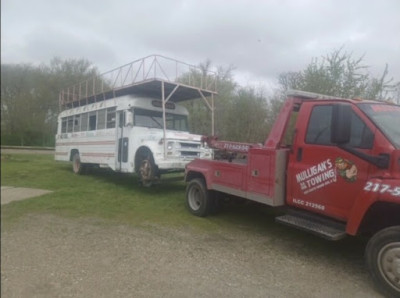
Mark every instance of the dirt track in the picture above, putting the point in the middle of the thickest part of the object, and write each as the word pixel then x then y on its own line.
pixel 51 256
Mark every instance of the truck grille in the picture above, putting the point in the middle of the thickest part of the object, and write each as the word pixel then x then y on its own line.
pixel 190 145
pixel 189 153
pixel 190 149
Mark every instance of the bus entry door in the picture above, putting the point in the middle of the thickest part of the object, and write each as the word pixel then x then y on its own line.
pixel 122 143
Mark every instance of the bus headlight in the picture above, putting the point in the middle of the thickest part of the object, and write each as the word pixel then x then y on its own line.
pixel 170 146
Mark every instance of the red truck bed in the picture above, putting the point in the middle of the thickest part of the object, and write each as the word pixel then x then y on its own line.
pixel 261 178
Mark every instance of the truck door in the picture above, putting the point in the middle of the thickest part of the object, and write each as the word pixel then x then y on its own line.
pixel 321 176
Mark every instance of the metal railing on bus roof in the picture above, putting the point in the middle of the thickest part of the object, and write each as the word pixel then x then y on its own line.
pixel 153 67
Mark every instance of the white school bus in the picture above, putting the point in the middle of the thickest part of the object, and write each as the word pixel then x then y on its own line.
pixel 133 129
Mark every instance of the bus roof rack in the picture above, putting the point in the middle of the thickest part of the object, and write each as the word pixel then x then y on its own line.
pixel 154 76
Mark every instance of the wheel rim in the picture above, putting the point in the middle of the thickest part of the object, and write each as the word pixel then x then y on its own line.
pixel 389 264
pixel 195 198
pixel 145 170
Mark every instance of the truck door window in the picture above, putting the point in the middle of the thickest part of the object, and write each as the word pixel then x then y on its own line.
pixel 319 129
pixel 360 136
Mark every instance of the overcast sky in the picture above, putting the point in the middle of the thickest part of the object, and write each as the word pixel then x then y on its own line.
pixel 260 38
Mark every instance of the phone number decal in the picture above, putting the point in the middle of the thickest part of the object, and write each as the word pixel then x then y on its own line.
pixel 382 188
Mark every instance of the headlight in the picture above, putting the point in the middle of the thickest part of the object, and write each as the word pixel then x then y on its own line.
pixel 170 145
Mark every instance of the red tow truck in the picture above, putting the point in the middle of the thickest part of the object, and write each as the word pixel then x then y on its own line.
pixel 339 176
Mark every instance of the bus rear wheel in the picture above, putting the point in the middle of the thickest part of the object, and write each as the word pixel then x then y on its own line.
pixel 77 166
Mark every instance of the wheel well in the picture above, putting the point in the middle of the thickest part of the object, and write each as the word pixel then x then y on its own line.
pixel 73 151
pixel 193 175
pixel 379 216
pixel 140 152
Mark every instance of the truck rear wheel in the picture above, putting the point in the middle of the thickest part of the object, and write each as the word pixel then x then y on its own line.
pixel 383 260
pixel 198 198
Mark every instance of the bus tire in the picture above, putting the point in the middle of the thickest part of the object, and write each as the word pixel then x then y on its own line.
pixel 198 198
pixel 383 260
pixel 77 167
pixel 146 169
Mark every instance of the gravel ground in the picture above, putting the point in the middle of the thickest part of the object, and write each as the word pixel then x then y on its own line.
pixel 52 256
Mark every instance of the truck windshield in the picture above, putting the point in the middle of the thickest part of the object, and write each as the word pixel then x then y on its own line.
pixel 154 119
pixel 387 118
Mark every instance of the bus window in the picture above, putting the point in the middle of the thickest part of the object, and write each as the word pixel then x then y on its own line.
pixel 121 119
pixel 101 119
pixel 111 117
pixel 92 121
pixel 64 125
pixel 77 123
pixel 84 122
pixel 70 122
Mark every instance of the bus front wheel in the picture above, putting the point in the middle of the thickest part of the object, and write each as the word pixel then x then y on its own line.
pixel 147 170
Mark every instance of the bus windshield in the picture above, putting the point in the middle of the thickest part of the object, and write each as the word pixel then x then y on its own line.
pixel 154 119
pixel 387 118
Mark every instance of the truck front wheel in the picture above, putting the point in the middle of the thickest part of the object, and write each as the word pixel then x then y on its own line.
pixel 198 198
pixel 383 260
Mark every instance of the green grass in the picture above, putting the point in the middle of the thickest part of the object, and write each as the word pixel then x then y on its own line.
pixel 113 196
pixel 118 198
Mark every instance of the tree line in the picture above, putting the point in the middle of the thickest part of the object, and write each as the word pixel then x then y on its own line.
pixel 29 99
pixel 29 96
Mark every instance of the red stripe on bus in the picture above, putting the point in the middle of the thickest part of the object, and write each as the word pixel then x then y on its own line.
pixel 86 143
pixel 61 153
pixel 99 154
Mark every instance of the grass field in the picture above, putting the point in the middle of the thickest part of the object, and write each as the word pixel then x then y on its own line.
pixel 117 197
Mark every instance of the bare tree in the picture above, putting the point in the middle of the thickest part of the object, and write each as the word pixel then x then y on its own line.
pixel 339 74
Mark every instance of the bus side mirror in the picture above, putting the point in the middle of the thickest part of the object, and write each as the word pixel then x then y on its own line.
pixel 341 123
pixel 128 118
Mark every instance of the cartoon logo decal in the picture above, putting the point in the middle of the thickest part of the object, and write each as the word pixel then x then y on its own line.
pixel 324 173
pixel 346 169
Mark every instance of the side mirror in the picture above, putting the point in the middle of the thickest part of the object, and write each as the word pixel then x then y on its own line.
pixel 128 118
pixel 341 123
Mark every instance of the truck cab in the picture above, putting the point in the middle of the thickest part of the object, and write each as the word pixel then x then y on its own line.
pixel 345 161
pixel 339 176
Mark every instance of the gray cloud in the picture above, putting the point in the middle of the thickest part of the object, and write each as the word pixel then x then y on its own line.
pixel 261 38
